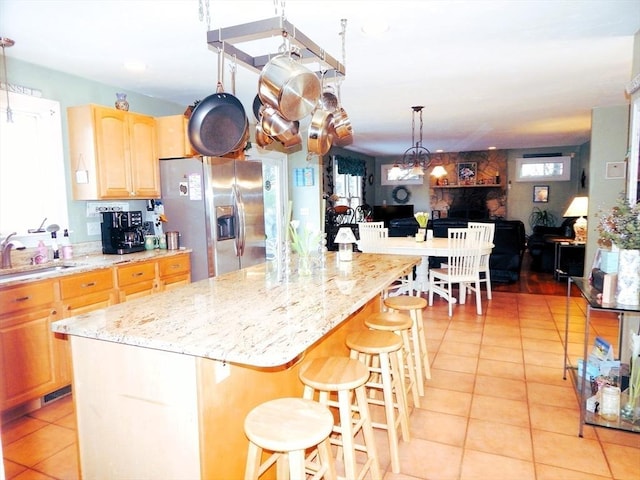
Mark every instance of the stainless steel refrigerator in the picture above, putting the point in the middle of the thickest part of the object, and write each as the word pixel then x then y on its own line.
pixel 217 206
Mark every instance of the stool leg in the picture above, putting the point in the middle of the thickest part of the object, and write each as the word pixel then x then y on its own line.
pixel 423 345
pixel 326 459
pixel 397 377
pixel 296 465
pixel 367 432
pixel 252 470
pixel 346 431
pixel 387 394
pixel 283 468
pixel 409 367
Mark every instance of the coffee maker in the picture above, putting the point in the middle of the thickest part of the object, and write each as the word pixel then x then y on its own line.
pixel 122 232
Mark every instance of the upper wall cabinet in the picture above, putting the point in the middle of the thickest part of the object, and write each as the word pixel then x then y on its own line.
pixel 113 154
pixel 173 139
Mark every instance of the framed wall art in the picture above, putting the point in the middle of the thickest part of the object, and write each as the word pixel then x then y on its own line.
pixel 467 173
pixel 540 193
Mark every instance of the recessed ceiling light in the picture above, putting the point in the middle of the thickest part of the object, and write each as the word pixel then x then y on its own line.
pixel 439 150
pixel 135 66
pixel 374 26
pixel 492 148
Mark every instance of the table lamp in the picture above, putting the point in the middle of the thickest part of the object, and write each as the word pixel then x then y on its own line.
pixel 579 207
pixel 345 240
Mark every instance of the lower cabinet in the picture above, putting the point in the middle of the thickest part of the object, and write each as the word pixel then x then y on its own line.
pixel 33 360
pixel 29 353
pixel 174 271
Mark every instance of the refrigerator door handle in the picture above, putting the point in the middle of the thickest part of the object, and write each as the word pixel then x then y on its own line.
pixel 240 239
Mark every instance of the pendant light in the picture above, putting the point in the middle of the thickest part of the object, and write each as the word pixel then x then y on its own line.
pixel 6 42
pixel 417 158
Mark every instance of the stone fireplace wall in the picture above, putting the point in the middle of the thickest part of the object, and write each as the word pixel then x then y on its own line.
pixel 474 186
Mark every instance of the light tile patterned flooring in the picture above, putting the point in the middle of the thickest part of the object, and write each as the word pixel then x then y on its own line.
pixel 495 408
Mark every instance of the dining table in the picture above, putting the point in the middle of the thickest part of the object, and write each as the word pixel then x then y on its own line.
pixel 432 247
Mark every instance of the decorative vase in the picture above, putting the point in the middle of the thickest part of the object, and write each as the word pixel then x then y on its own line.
pixel 421 235
pixel 304 265
pixel 628 285
pixel 121 102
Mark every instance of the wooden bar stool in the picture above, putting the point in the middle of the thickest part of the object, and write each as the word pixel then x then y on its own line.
pixel 400 324
pixel 287 427
pixel 346 377
pixel 414 305
pixel 381 352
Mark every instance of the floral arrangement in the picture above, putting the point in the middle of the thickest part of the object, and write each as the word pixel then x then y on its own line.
pixel 621 225
pixel 305 241
pixel 422 218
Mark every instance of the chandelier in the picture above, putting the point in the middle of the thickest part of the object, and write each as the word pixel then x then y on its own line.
pixel 417 158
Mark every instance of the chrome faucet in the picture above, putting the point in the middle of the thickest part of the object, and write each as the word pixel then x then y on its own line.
pixel 5 248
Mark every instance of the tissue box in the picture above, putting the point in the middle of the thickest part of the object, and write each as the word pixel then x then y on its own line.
pixel 609 262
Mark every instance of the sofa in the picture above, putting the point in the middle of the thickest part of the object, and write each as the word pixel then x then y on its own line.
pixel 505 261
pixel 541 244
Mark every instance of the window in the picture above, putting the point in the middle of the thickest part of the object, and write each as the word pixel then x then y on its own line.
pixel 543 168
pixel 347 187
pixel 32 175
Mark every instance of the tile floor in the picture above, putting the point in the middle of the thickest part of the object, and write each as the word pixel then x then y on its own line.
pixel 495 408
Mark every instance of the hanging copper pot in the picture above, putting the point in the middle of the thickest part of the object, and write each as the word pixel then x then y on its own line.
pixel 342 124
pixel 320 132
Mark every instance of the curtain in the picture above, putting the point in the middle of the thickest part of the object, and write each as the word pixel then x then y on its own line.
pixel 351 166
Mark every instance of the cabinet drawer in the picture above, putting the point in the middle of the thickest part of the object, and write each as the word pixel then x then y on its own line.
pixel 136 273
pixel 86 283
pixel 174 265
pixel 34 294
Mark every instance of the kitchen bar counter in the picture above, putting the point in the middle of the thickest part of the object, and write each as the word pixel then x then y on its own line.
pixel 162 384
pixel 246 317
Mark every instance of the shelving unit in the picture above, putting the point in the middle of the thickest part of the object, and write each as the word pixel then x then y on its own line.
pixel 590 295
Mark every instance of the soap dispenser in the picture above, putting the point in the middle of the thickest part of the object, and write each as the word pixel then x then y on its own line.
pixel 65 246
pixel 54 245
pixel 43 254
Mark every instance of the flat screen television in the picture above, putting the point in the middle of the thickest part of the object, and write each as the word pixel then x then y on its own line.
pixel 386 213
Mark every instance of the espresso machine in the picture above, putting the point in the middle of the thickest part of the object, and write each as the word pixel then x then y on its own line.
pixel 122 232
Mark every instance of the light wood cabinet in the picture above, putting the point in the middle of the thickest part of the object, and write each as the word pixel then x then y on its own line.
pixel 113 154
pixel 29 362
pixel 173 137
pixel 136 280
pixel 88 291
pixel 174 271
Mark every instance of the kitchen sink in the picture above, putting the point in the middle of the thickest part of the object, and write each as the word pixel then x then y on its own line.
pixel 33 273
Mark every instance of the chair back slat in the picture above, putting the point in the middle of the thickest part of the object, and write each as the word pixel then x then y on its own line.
pixel 464 252
pixel 371 231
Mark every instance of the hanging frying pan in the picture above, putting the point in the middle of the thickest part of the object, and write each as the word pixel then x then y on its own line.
pixel 218 123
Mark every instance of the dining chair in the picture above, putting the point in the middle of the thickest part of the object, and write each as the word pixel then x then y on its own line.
pixel 489 230
pixel 371 231
pixel 463 261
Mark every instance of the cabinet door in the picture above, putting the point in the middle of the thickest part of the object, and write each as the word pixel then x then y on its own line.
pixel 136 280
pixel 174 271
pixel 112 151
pixel 87 291
pixel 145 167
pixel 173 139
pixel 27 353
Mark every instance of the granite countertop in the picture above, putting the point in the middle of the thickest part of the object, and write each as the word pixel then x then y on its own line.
pixel 255 316
pixel 79 264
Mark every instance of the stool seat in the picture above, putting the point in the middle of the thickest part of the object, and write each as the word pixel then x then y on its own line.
pixel 287 424
pixel 334 373
pixel 405 302
pixel 374 341
pixel 389 321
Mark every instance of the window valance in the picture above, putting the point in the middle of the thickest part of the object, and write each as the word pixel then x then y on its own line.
pixel 351 166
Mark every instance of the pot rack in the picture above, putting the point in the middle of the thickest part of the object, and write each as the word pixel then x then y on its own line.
pixel 223 39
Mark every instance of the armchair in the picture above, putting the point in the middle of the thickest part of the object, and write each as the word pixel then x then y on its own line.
pixel 541 244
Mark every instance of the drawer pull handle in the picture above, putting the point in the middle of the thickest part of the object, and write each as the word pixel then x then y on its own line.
pixel 175 265
pixel 23 299
pixel 88 285
pixel 137 274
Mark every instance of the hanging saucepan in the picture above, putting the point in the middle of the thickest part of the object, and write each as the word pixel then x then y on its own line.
pixel 328 100
pixel 319 137
pixel 289 87
pixel 262 139
pixel 257 107
pixel 218 123
pixel 277 127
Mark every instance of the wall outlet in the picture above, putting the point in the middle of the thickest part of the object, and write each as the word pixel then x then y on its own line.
pixel 223 370
pixel 93 228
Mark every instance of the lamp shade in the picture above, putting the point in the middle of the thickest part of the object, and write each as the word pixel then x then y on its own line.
pixel 345 235
pixel 438 171
pixel 579 207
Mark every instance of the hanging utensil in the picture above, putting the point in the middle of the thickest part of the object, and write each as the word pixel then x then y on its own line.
pixel 319 136
pixel 289 87
pixel 218 123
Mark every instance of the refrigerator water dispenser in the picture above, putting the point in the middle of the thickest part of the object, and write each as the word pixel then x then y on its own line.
pixel 225 222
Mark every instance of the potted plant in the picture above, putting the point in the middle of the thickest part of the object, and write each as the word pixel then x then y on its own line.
pixel 619 229
pixel 541 217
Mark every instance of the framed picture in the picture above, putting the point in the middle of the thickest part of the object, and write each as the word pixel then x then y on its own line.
pixel 540 193
pixel 467 173
pixel 401 176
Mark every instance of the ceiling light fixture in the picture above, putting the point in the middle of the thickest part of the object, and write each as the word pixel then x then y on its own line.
pixel 417 158
pixel 6 42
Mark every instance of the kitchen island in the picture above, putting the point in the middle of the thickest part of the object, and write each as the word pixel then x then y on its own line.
pixel 162 384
